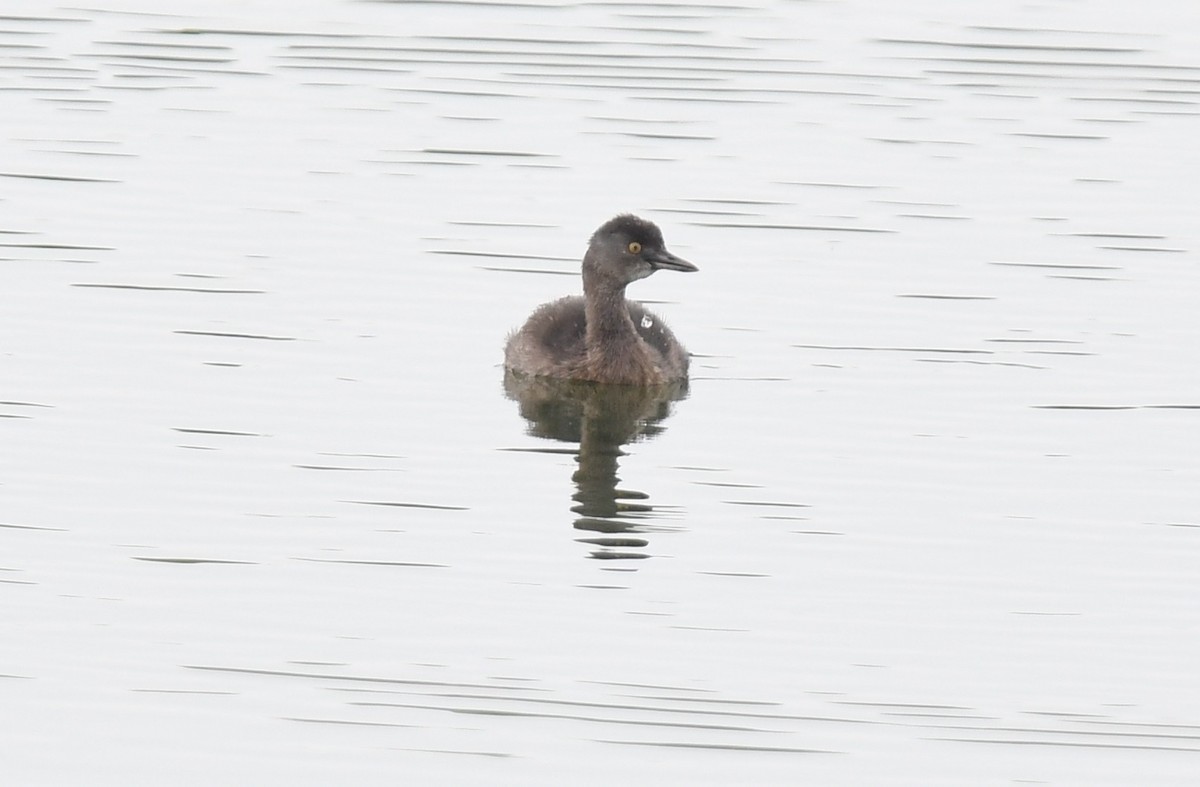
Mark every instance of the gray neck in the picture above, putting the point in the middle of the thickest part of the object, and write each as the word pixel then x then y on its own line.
pixel 608 321
pixel 615 352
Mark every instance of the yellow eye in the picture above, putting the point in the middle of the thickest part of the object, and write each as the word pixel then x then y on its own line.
pixel 635 247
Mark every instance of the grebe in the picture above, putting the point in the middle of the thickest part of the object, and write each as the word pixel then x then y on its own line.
pixel 602 337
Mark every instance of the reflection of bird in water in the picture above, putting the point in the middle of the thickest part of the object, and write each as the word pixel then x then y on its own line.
pixel 602 337
pixel 601 418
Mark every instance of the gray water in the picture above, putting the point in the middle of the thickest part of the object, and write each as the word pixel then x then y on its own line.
pixel 926 514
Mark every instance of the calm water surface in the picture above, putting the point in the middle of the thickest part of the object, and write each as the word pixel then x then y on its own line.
pixel 926 514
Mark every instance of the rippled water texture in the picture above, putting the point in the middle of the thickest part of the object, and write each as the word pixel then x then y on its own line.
pixel 927 513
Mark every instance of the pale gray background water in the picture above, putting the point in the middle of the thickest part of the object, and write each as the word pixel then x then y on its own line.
pixel 928 516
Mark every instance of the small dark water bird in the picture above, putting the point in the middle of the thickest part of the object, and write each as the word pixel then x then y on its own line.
pixel 602 337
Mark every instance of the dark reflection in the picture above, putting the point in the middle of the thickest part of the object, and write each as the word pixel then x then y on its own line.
pixel 600 418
